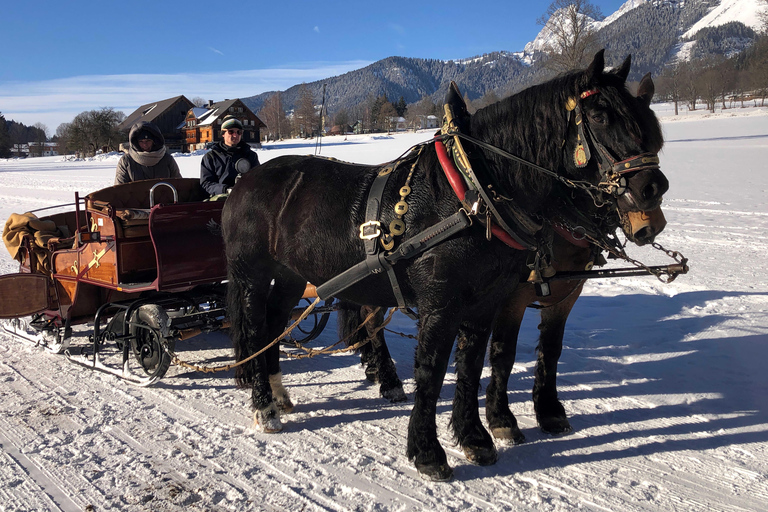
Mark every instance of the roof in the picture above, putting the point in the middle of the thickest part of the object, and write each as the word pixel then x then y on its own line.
pixel 149 112
pixel 217 110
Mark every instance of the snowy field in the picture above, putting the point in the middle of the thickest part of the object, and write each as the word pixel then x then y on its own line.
pixel 666 385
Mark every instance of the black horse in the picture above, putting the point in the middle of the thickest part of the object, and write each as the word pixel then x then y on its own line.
pixel 298 219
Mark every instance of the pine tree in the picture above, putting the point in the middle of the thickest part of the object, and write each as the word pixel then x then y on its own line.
pixel 5 138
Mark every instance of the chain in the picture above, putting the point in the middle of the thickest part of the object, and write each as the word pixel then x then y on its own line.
pixel 618 250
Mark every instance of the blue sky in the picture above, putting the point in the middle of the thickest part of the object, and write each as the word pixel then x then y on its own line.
pixel 61 58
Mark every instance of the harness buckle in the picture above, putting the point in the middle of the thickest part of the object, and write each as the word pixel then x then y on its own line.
pixel 370 230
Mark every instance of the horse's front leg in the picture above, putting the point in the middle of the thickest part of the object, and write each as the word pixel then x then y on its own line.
pixel 468 430
pixel 550 413
pixel 501 421
pixel 436 334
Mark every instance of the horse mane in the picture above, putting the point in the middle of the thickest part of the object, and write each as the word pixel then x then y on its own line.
pixel 533 124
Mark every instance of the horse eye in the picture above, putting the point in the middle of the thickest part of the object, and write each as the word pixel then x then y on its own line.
pixel 599 118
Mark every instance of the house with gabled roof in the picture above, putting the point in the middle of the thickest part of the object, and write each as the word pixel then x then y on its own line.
pixel 202 125
pixel 166 115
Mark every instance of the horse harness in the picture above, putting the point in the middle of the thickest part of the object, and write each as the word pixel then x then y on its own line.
pixel 477 203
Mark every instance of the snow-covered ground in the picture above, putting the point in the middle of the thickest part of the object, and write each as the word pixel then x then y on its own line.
pixel 666 385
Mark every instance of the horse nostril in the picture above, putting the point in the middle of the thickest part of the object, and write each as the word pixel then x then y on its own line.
pixel 644 236
pixel 650 192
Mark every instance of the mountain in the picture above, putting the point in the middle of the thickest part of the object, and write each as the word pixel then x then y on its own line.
pixel 655 32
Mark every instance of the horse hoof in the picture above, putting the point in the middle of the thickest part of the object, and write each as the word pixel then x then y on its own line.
pixel 481 455
pixel 435 472
pixel 556 428
pixel 508 434
pixel 395 395
pixel 267 420
pixel 286 406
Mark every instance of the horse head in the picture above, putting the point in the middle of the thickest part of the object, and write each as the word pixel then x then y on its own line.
pixel 621 138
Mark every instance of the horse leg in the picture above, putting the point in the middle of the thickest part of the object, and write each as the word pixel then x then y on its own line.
pixel 378 357
pixel 374 355
pixel 246 307
pixel 502 354
pixel 436 334
pixel 468 430
pixel 550 413
pixel 283 296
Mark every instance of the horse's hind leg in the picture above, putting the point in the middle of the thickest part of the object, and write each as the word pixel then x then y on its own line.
pixel 283 296
pixel 246 306
pixel 550 413
pixel 468 430
pixel 501 421
pixel 374 355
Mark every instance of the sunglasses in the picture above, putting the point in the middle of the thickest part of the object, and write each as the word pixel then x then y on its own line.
pixel 235 132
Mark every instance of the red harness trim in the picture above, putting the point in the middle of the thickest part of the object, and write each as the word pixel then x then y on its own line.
pixel 587 94
pixel 460 189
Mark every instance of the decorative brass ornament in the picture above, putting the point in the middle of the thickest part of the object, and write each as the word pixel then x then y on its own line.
pixel 580 156
pixel 401 208
pixel 397 227
pixel 405 191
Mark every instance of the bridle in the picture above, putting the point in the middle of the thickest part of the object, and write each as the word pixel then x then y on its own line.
pixel 612 171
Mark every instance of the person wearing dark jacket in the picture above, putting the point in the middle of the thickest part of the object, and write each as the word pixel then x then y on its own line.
pixel 147 157
pixel 228 159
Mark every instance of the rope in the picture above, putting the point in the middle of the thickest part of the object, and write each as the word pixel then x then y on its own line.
pixel 310 352
pixel 208 369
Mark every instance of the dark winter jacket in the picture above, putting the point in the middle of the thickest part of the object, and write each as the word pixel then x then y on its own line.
pixel 222 164
pixel 144 165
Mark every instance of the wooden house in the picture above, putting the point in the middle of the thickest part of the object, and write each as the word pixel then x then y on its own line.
pixel 166 115
pixel 202 125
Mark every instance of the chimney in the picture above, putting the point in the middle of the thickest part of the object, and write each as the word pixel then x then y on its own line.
pixel 210 103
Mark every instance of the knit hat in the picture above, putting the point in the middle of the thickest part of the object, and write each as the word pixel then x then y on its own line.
pixel 231 122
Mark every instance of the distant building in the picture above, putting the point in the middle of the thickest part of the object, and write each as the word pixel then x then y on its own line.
pixel 43 149
pixel 202 124
pixel 166 115
pixel 425 122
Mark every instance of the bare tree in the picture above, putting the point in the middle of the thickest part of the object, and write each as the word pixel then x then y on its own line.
pixel 198 101
pixel 305 118
pixel 573 40
pixel 273 115
pixel 763 16
pixel 41 137
pixel 388 116
pixel 92 130
pixel 341 119
pixel 418 112
pixel 670 85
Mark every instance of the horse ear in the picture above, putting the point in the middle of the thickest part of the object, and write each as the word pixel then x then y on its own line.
pixel 623 71
pixel 597 66
pixel 453 97
pixel 646 89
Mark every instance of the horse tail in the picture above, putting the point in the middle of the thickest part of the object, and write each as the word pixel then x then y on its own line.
pixel 348 319
pixel 239 330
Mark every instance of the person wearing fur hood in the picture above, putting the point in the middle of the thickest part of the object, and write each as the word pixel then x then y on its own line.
pixel 147 157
